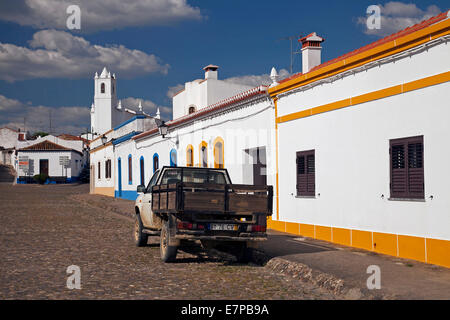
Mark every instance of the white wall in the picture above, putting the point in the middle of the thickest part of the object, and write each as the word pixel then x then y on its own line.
pixel 352 150
pixel 8 138
pixel 102 156
pixel 54 168
pixel 202 93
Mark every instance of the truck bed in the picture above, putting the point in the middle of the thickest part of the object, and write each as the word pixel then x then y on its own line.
pixel 213 202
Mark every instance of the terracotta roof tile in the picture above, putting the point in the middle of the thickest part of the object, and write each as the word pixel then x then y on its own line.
pixel 47 146
pixel 377 43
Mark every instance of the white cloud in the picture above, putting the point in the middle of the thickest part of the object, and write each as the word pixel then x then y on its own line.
pixel 173 90
pixel 148 106
pixel 257 80
pixel 71 120
pixel 99 14
pixel 59 54
pixel 396 16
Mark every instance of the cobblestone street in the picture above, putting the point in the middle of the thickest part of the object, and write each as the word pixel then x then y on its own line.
pixel 45 229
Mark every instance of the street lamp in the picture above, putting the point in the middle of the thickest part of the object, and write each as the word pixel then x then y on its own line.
pixel 163 128
pixel 104 139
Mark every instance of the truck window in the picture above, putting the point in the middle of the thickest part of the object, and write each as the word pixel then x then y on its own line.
pixel 204 176
pixel 152 181
pixel 171 176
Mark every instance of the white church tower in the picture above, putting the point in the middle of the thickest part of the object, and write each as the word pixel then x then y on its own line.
pixel 104 113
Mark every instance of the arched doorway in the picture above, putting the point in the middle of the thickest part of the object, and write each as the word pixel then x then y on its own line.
pixel 203 154
pixel 189 156
pixel 218 153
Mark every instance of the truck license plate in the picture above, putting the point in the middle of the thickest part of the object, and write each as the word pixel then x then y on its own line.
pixel 223 227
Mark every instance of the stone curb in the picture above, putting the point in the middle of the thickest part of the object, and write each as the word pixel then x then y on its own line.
pixel 323 280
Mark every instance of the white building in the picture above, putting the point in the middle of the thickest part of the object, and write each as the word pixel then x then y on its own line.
pixel 60 164
pixel 211 134
pixel 9 139
pixel 201 93
pixel 355 147
pixel 42 156
pixel 106 111
pixel 104 157
pixel 361 145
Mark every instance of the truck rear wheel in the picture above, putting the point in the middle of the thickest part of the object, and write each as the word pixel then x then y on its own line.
pixel 168 253
pixel 243 252
pixel 140 238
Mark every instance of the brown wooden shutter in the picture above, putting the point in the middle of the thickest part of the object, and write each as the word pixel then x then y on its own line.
pixel 306 180
pixel 415 170
pixel 407 171
pixel 399 172
pixel 311 174
pixel 301 175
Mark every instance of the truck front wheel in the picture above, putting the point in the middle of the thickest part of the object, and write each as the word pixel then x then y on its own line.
pixel 140 238
pixel 168 253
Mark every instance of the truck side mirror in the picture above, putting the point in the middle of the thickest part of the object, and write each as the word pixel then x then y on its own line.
pixel 141 188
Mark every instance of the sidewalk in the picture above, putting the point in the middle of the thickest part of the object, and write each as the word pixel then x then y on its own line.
pixel 346 269
pixel 340 269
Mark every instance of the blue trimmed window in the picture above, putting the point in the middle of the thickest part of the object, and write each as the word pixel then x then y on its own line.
pixel 142 167
pixel 155 162
pixel 173 158
pixel 130 169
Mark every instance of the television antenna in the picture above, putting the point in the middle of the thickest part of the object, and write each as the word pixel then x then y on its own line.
pixel 292 52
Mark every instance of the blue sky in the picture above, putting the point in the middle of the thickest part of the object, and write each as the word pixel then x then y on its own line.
pixel 175 40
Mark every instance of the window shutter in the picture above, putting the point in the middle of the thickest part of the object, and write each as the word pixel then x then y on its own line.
pixel 399 172
pixel 311 172
pixel 301 177
pixel 407 170
pixel 306 173
pixel 415 170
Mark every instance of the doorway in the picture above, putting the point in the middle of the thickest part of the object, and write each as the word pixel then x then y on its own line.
pixel 43 166
pixel 255 166
pixel 119 172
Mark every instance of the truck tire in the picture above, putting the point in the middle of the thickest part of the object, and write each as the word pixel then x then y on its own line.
pixel 168 253
pixel 140 238
pixel 243 252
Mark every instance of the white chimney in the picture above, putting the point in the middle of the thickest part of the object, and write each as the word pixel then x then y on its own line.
pixel 311 51
pixel 211 71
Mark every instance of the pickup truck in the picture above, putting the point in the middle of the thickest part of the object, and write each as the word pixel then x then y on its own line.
pixel 182 204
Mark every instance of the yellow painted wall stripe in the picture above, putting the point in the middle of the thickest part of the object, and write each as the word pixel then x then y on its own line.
pixel 106 191
pixel 275 100
pixel 427 250
pixel 101 147
pixel 367 97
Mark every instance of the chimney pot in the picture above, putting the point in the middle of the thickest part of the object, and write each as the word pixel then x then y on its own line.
pixel 311 51
pixel 211 71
